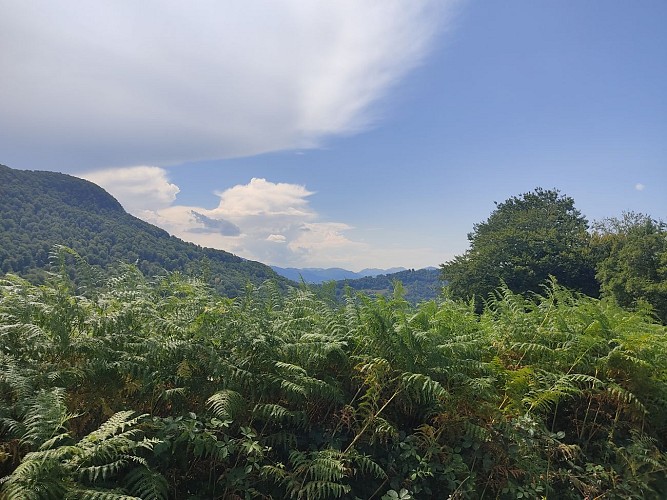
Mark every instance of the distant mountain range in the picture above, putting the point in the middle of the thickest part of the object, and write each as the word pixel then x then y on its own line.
pixel 319 275
pixel 41 209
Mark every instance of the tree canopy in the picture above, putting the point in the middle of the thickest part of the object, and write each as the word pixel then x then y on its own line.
pixel 525 240
pixel 631 254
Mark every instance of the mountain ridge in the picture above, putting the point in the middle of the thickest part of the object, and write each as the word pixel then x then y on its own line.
pixel 40 209
pixel 418 285
pixel 318 275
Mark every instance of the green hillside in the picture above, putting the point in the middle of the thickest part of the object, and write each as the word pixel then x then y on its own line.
pixel 41 209
pixel 419 285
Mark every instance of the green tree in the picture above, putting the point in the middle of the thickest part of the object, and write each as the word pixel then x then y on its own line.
pixel 631 254
pixel 525 240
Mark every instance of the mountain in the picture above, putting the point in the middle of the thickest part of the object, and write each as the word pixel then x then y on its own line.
pixel 317 275
pixel 420 285
pixel 41 209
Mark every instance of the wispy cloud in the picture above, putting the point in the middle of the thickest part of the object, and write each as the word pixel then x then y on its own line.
pixel 119 83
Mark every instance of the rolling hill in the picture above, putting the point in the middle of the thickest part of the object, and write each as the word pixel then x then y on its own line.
pixel 320 275
pixel 420 285
pixel 41 209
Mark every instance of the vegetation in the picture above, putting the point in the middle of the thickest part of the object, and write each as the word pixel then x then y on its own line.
pixel 540 234
pixel 41 209
pixel 525 240
pixel 419 285
pixel 632 261
pixel 128 387
pixel 511 385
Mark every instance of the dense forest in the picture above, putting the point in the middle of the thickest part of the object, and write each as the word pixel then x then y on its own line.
pixel 41 209
pixel 539 372
pixel 419 285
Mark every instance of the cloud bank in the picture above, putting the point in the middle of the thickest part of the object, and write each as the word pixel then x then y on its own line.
pixel 120 83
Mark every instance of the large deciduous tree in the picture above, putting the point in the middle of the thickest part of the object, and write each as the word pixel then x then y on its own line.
pixel 525 240
pixel 631 255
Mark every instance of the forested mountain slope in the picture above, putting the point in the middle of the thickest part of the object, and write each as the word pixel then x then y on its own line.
pixel 419 285
pixel 42 209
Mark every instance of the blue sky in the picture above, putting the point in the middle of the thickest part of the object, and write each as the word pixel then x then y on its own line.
pixel 347 134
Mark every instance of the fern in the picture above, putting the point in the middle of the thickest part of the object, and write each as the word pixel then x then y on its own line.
pixel 146 484
pixel 227 405
pixel 45 418
pixel 277 414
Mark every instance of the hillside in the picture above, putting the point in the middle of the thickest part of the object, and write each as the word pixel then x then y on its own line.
pixel 318 275
pixel 420 285
pixel 42 209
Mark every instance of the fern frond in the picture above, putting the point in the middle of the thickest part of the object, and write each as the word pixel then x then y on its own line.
pixel 115 425
pixel 624 396
pixel 55 441
pixel 277 414
pixel 423 388
pixel 326 467
pixel 39 475
pixel 96 472
pixel 95 494
pixel 45 417
pixel 290 368
pixel 147 484
pixel 316 490
pixel 367 466
pixel 227 405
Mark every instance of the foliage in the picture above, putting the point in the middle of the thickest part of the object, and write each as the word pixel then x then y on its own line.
pixel 153 388
pixel 631 255
pixel 525 240
pixel 41 209
pixel 420 285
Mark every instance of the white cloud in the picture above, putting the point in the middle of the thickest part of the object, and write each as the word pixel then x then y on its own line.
pixel 136 188
pixel 118 83
pixel 270 222
pixel 262 220
pixel 261 197
pixel 639 187
pixel 276 238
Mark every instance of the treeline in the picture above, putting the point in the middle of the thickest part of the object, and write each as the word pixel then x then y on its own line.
pixel 159 388
pixel 41 209
pixel 419 285
pixel 539 234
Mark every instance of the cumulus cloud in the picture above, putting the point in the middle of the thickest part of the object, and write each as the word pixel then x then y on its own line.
pixel 261 220
pixel 138 189
pixel 261 197
pixel 639 187
pixel 162 82
pixel 271 222
pixel 276 238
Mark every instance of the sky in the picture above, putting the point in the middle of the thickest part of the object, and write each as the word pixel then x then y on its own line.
pixel 339 133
